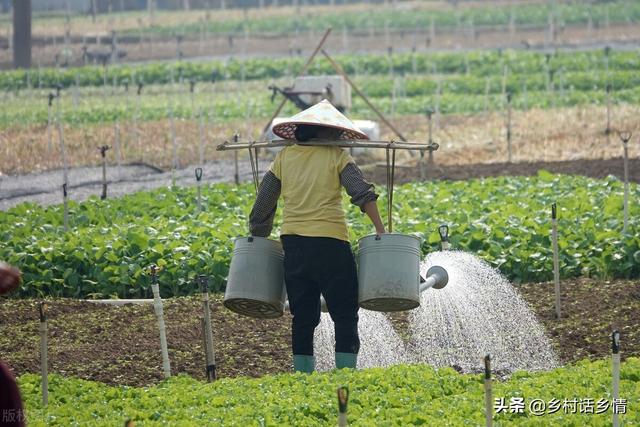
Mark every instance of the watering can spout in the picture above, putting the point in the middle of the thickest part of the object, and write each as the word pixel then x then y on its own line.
pixel 437 278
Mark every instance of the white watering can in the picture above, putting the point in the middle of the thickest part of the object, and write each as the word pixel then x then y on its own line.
pixel 388 276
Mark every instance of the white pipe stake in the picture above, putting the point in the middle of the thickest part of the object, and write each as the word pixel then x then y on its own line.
pixel 626 188
pixel 157 306
pixel 44 362
pixel 556 263
pixel 488 392
pixel 615 344
pixel 343 401
pixel 208 331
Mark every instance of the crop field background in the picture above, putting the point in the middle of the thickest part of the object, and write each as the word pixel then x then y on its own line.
pixel 528 101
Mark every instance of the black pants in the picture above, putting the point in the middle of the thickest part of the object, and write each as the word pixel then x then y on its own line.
pixel 314 266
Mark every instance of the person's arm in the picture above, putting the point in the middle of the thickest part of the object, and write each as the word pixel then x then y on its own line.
pixel 371 209
pixel 264 208
pixel 362 194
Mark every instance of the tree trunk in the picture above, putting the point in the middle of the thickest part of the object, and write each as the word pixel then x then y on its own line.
pixel 22 33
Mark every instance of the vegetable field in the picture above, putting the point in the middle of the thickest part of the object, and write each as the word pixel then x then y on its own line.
pixel 533 104
pixel 504 220
pixel 401 395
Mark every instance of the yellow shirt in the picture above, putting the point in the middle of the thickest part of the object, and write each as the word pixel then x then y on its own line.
pixel 310 187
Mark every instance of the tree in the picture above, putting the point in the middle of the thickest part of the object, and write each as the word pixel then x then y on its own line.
pixel 22 33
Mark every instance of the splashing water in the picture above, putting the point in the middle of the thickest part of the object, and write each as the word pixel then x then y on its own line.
pixel 380 345
pixel 477 313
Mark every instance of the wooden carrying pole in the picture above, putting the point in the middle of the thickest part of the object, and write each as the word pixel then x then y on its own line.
pixel 340 71
pixel 300 74
pixel 392 145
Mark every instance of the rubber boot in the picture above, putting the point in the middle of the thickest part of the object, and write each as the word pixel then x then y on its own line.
pixel 346 360
pixel 304 363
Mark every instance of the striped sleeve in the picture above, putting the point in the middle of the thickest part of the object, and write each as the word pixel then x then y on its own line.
pixel 264 208
pixel 360 190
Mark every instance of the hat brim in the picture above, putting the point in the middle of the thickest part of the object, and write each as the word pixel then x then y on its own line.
pixel 287 130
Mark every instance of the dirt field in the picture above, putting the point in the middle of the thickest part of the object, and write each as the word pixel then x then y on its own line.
pixel 120 345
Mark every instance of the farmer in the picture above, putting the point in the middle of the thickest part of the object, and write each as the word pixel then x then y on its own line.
pixel 317 254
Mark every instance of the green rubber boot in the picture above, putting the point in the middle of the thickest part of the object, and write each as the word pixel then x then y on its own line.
pixel 304 363
pixel 346 360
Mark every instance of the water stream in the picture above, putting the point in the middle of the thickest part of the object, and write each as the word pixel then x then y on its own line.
pixel 478 312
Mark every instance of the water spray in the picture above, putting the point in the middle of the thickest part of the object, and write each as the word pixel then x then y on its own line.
pixel 625 137
pixel 343 401
pixel 443 230
pixel 208 331
pixel 488 392
pixel 615 349
pixel 157 306
pixel 199 190
pixel 556 262
pixel 103 152
pixel 44 368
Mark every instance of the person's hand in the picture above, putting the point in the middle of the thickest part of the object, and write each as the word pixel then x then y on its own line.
pixel 380 231
pixel 9 278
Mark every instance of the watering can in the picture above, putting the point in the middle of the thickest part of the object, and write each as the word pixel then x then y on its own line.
pixel 388 276
pixel 389 273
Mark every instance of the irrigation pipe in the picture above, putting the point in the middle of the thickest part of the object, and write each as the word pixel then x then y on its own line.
pixel 429 118
pixel 615 347
pixel 157 306
pixel 625 137
pixel 50 123
pixel 116 135
pixel 208 330
pixel 201 137
pixel 343 401
pixel 103 152
pixel 199 190
pixel 44 354
pixel 488 392
pixel 174 144
pixel 509 127
pixel 556 263
pixel 65 204
pixel 63 152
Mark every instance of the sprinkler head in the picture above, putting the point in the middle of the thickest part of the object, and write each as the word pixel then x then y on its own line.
pixel 625 136
pixel 441 276
pixel 443 230
pixel 615 342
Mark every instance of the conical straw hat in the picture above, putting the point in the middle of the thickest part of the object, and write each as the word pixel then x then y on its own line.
pixel 321 114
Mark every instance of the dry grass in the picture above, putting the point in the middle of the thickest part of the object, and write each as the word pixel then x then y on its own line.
pixel 561 134
pixel 537 135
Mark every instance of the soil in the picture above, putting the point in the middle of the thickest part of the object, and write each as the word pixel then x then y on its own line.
pixel 591 168
pixel 120 345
